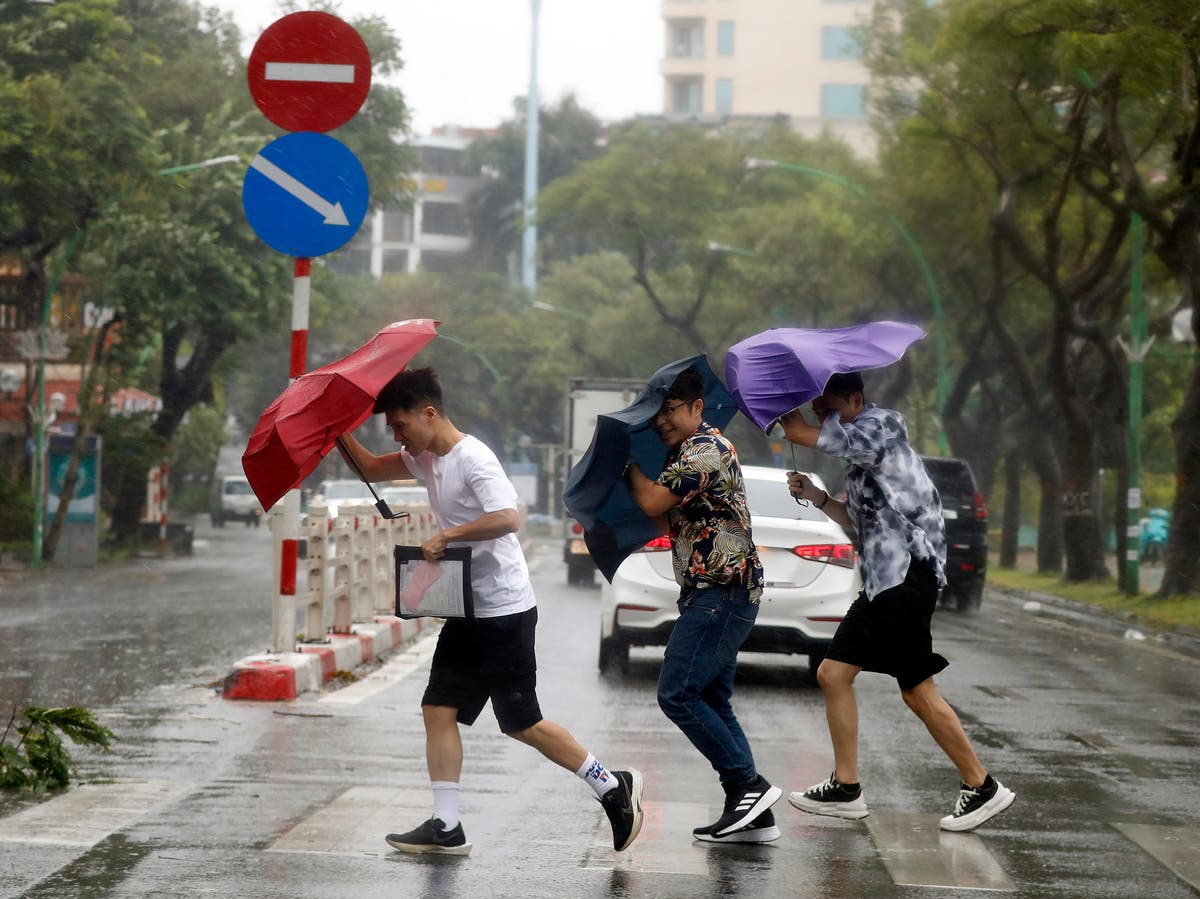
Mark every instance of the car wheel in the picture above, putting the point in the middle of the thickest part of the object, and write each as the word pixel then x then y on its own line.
pixel 614 655
pixel 970 597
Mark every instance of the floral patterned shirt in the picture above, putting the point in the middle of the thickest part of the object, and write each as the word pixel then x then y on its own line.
pixel 710 534
pixel 890 500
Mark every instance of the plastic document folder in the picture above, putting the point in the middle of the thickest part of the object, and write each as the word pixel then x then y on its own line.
pixel 440 589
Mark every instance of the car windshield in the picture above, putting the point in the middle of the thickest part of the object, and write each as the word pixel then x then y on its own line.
pixel 347 490
pixel 770 498
pixel 237 488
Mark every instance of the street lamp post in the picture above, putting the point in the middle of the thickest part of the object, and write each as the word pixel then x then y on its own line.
pixel 939 337
pixel 45 351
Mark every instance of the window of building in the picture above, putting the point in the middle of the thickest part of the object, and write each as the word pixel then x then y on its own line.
pixel 443 263
pixel 839 42
pixel 443 218
pixel 395 261
pixel 725 39
pixel 685 39
pixel 443 161
pixel 843 101
pixel 725 96
pixel 685 96
pixel 397 226
pixel 353 261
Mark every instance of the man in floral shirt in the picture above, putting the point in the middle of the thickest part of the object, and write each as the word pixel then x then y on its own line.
pixel 897 513
pixel 700 501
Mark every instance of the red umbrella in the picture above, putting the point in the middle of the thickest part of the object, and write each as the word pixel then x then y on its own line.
pixel 303 424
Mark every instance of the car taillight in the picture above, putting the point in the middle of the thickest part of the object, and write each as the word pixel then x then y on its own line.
pixel 658 544
pixel 980 507
pixel 833 553
pixel 576 528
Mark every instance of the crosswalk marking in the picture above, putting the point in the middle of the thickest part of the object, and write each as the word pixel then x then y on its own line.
pixel 87 814
pixel 356 822
pixel 1175 847
pixel 916 852
pixel 664 846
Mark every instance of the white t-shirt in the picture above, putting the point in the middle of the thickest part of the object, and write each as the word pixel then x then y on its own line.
pixel 464 484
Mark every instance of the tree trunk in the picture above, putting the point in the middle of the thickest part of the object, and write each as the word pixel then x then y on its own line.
pixel 1081 519
pixel 1182 574
pixel 1010 535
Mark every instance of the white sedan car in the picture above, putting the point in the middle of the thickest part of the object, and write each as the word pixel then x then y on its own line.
pixel 810 568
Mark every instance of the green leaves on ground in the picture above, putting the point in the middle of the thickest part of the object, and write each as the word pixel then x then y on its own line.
pixel 32 754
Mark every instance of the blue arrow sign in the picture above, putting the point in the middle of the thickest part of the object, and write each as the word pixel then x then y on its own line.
pixel 305 194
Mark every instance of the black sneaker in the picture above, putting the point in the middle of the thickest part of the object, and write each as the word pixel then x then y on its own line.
pixel 977 805
pixel 744 803
pixel 623 805
pixel 761 830
pixel 432 836
pixel 832 798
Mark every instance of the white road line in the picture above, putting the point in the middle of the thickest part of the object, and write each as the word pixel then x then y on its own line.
pixel 88 813
pixel 309 71
pixel 356 822
pixel 917 853
pixel 1175 847
pixel 664 846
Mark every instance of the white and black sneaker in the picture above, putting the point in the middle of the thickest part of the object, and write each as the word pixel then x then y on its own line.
pixel 761 830
pixel 432 836
pixel 977 805
pixel 744 803
pixel 623 805
pixel 837 800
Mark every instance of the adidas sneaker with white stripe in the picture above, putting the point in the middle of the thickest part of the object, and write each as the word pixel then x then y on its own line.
pixel 745 803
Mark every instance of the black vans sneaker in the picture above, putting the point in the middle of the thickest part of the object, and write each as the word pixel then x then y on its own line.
pixel 744 803
pixel 623 805
pixel 832 798
pixel 977 805
pixel 432 836
pixel 761 830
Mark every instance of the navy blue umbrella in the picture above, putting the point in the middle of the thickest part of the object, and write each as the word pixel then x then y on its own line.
pixel 613 524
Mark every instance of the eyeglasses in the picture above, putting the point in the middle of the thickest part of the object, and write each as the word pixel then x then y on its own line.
pixel 667 411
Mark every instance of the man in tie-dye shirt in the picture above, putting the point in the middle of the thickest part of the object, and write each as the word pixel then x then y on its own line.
pixel 897 514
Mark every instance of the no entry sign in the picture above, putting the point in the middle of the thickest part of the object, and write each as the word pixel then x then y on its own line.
pixel 309 71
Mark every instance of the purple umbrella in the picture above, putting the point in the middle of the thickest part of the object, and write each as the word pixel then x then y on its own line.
pixel 779 370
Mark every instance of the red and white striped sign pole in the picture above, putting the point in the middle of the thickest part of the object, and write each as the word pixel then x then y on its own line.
pixel 283 619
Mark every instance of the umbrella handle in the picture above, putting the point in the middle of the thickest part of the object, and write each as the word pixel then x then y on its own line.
pixel 380 504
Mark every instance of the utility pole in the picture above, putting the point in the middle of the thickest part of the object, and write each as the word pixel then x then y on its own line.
pixel 529 242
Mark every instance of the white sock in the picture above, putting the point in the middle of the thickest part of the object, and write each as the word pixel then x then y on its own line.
pixel 597 776
pixel 445 802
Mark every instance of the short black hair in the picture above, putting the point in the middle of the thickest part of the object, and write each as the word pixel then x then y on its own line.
pixel 410 390
pixel 688 386
pixel 844 384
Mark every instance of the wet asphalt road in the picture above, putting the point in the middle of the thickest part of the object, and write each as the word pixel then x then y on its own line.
pixel 1098 736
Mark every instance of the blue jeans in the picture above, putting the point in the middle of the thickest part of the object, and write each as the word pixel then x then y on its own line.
pixel 696 680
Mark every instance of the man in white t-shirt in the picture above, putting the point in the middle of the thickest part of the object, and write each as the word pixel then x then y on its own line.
pixel 490 656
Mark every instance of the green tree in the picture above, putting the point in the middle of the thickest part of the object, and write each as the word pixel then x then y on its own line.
pixel 568 136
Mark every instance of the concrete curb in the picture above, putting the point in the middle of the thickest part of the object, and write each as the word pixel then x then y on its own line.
pixel 1180 639
pixel 274 677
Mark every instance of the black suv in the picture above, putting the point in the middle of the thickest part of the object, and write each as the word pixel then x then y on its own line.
pixel 965 514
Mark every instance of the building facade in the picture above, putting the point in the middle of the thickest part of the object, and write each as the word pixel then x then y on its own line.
pixel 433 233
pixel 748 59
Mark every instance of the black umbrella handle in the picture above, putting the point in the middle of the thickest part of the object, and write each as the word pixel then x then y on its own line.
pixel 380 504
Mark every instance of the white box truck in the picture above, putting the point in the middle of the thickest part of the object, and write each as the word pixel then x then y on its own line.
pixel 587 398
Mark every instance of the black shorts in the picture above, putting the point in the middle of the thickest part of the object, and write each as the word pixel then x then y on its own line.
pixel 478 659
pixel 891 633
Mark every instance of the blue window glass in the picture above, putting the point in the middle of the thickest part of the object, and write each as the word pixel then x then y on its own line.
pixel 843 101
pixel 725 39
pixel 837 42
pixel 724 96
